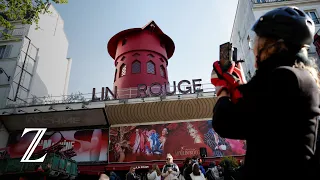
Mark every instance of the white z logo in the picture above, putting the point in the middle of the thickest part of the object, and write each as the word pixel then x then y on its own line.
pixel 33 145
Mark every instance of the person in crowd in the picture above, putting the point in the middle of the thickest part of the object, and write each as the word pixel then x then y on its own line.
pixel 103 177
pixel 199 161
pixel 188 170
pixel 131 174
pixel 228 171
pixel 196 172
pixel 114 176
pixel 275 112
pixel 155 173
pixel 221 171
pixel 170 170
pixel 212 173
pixel 186 163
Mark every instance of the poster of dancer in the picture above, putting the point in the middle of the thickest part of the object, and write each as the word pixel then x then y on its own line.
pixel 184 139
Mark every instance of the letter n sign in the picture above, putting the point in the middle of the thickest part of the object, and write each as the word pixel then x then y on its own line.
pixel 33 145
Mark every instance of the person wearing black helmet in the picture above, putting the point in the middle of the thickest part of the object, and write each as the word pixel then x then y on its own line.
pixel 275 112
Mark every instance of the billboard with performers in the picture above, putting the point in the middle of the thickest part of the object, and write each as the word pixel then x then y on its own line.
pixel 87 145
pixel 182 139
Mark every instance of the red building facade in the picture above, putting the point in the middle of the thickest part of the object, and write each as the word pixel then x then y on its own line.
pixel 141 57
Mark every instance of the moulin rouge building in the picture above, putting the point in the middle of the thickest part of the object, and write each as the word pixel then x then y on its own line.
pixel 135 123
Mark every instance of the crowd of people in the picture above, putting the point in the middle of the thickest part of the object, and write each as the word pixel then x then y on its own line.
pixel 192 170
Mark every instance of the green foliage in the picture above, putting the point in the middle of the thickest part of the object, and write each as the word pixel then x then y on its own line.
pixel 232 160
pixel 26 11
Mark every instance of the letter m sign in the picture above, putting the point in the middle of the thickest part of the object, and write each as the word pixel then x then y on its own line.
pixel 33 145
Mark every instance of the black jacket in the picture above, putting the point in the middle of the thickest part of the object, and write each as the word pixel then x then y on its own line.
pixel 130 176
pixel 277 117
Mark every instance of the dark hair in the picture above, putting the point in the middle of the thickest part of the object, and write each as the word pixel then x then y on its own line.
pixel 186 161
pixel 188 171
pixel 196 169
pixel 155 167
pixel 212 164
pixel 195 157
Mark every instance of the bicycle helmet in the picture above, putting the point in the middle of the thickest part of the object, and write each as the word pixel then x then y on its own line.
pixel 288 23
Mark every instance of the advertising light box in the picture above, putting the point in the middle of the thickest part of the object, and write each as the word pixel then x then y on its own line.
pixel 183 139
pixel 88 145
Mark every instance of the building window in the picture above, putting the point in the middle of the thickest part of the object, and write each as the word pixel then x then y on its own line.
pixel 162 71
pixel 136 67
pixel 123 58
pixel 5 51
pixel 123 70
pixel 115 75
pixel 313 15
pixel 151 68
pixel 124 41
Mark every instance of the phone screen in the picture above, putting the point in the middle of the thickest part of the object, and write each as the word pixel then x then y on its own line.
pixel 225 51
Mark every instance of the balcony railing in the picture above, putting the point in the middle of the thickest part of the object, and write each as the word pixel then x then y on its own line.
pixel 267 1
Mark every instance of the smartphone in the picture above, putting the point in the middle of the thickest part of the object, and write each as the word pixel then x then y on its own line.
pixel 225 55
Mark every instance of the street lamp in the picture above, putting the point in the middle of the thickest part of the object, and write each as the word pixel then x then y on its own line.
pixel 3 71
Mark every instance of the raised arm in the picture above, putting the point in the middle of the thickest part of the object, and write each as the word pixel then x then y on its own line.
pixel 230 120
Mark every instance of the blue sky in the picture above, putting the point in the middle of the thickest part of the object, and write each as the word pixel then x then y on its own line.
pixel 197 30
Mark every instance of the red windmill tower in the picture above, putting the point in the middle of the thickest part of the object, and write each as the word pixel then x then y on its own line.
pixel 141 57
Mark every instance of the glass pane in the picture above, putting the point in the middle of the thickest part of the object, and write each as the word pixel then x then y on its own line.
pixel 123 70
pixel 23 94
pixel 136 67
pixel 32 52
pixel 21 59
pixel 26 80
pixel 29 65
pixel 150 68
pixel 313 15
pixel 17 74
